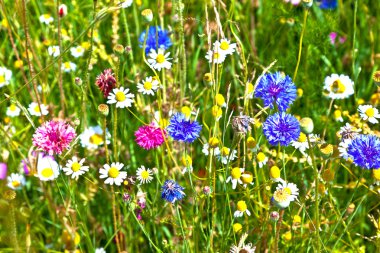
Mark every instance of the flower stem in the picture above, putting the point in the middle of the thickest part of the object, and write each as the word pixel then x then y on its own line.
pixel 278 228
pixel 182 231
pixel 115 219
pixel 300 45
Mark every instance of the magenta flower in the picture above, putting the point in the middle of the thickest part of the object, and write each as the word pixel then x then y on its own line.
pixel 149 137
pixel 53 137
pixel 106 82
pixel 3 171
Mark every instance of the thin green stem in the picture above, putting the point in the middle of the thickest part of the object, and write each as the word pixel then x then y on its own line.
pixel 300 45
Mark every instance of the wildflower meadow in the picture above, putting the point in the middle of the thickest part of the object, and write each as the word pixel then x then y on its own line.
pixel 189 126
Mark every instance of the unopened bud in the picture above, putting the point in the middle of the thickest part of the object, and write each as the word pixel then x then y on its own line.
pixel 147 15
pixel 118 49
pixel 103 109
pixel 274 216
pixel 307 125
pixel 78 81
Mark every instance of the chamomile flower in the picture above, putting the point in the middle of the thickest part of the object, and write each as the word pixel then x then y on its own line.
pixel 220 100
pixel 92 137
pixel 338 86
pixel 225 155
pixel 47 168
pixel 217 112
pixel 275 174
pixel 236 173
pixel 126 3
pixel 121 97
pixel 144 175
pixel 241 209
pixel 290 188
pixel 187 163
pixel 224 46
pixel 113 173
pixel 301 143
pixel 46 19
pixel 242 247
pixel 215 56
pixel 13 111
pixel 53 51
pixel 77 51
pixel 68 66
pixel 15 181
pixel 75 168
pixel 247 178
pixel 5 76
pixel 369 113
pixel 281 198
pixel 159 59
pixel 36 110
pixel 148 86
pixel 261 159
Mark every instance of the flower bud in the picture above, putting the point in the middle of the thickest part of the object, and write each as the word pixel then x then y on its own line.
pixel 307 125
pixel 103 109
pixel 147 15
pixel 118 49
pixel 274 216
pixel 62 10
pixel 78 81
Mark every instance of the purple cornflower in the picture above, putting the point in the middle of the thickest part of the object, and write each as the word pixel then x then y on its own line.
pixel 281 128
pixel 171 191
pixel 157 38
pixel 181 129
pixel 365 151
pixel 276 89
pixel 328 4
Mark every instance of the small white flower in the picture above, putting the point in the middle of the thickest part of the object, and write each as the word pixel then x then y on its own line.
pixel 54 51
pixel 144 175
pixel 149 86
pixel 126 3
pixel 47 168
pixel 13 111
pixel 236 173
pixel 225 155
pixel 92 137
pixel 225 47
pixel 46 19
pixel 15 181
pixel 290 188
pixel 77 51
pixel 69 66
pixel 121 97
pixel 100 250
pixel 370 113
pixel 338 86
pixel 215 56
pixel 261 159
pixel 75 168
pixel 36 110
pixel 159 60
pixel 113 173
pixel 5 76
pixel 241 209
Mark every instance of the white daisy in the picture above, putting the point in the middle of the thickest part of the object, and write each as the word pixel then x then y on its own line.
pixel 36 110
pixel 92 137
pixel 53 51
pixel 242 247
pixel 301 144
pixel 236 173
pixel 241 209
pixel 144 175
pixel 69 66
pixel 121 97
pixel 224 46
pixel 15 181
pixel 225 155
pixel 290 188
pixel 281 198
pixel 5 76
pixel 149 86
pixel 46 19
pixel 113 174
pixel 159 60
pixel 13 111
pixel 47 168
pixel 368 112
pixel 126 3
pixel 215 56
pixel 338 86
pixel 77 51
pixel 261 159
pixel 100 250
pixel 75 168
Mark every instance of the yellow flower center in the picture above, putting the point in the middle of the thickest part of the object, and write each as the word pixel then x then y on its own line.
pixel 247 177
pixel 274 172
pixel 236 173
pixel 160 58
pixel 207 77
pixel 376 174
pixel 46 16
pixel 251 142
pixel 241 206
pixel 16 184
pixel 216 111
pixel 213 142
pixel 187 161
pixel 75 167
pixel 12 107
pixel 224 45
pixel 337 114
pixel 287 189
pixel 219 99
pixel 47 172
pixel 302 137
pixel 67 65
pixel 281 195
pixel 145 174
pixel 186 110
pixel 338 87
pixel 370 112
pixel 120 96
pixel 37 108
pixel 216 55
pixel 2 79
pixel 249 88
pixel 113 172
pixel 96 139
pixel 297 219
pixel 148 85
pixel 225 151
pixel 79 50
pixel 237 227
pixel 261 157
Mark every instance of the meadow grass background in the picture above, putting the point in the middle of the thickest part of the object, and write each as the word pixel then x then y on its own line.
pixel 266 32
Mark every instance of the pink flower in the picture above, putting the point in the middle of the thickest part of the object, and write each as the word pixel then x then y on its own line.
pixel 294 2
pixel 53 137
pixel 106 81
pixel 149 137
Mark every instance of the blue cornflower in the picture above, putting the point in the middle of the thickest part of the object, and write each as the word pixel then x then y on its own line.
pixel 171 191
pixel 276 89
pixel 281 128
pixel 157 38
pixel 181 129
pixel 365 151
pixel 328 4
